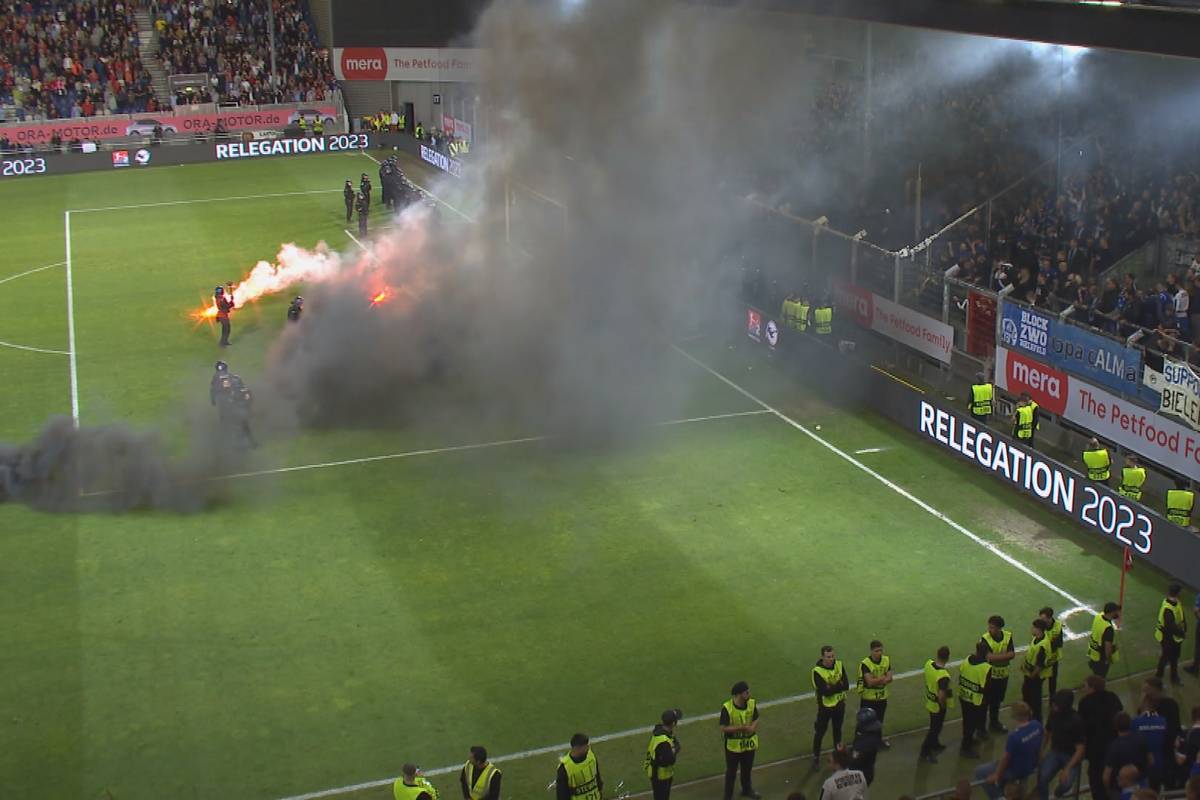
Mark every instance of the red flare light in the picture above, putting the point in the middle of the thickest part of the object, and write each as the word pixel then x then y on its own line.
pixel 205 313
pixel 381 296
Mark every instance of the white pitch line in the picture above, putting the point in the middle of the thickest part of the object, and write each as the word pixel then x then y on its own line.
pixel 456 448
pixel 608 737
pixel 31 271
pixel 354 238
pixel 900 490
pixel 866 450
pixel 34 349
pixel 203 200
pixel 71 323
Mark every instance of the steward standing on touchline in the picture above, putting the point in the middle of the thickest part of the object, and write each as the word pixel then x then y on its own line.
pixel 1170 633
pixel 480 780
pixel 874 680
pixel 578 776
pixel 1102 643
pixel 411 786
pixel 739 723
pixel 1000 642
pixel 830 682
pixel 1097 461
pixel 661 754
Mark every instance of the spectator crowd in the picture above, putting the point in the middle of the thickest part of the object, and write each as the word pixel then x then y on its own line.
pixel 67 60
pixel 230 42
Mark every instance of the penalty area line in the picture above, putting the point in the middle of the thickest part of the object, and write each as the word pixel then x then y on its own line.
pixel 15 346
pixel 458 448
pixel 644 730
pixel 900 490
pixel 202 200
pixel 32 271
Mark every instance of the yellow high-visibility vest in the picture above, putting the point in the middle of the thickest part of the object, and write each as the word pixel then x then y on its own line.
pixel 1180 623
pixel 999 671
pixel 1179 506
pixel 483 782
pixel 1100 626
pixel 933 676
pixel 823 320
pixel 981 399
pixel 1132 479
pixel 876 671
pixel 971 680
pixel 583 779
pixel 831 676
pixel 1097 463
pixel 740 741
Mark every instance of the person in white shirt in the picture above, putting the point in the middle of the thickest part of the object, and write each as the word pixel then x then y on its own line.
pixel 844 783
pixel 1182 304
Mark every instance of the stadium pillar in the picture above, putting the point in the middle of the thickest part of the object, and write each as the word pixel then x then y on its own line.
pixel 271 36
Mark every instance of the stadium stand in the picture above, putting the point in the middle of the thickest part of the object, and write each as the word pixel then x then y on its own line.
pixel 231 43
pixel 61 60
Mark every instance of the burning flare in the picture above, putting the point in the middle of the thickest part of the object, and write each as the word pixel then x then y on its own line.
pixel 293 265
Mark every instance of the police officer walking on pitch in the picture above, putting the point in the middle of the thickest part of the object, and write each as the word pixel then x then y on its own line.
pixel 1102 643
pixel 363 206
pixel 1170 633
pixel 578 776
pixel 295 309
pixel 224 303
pixel 411 786
pixel 830 683
pixel 479 779
pixel 1000 644
pixel 385 171
pixel 939 696
pixel 349 197
pixel 1097 461
pixel 739 723
pixel 981 398
pixel 661 753
pixel 874 679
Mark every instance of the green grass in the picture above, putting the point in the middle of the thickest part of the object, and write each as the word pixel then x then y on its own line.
pixel 322 627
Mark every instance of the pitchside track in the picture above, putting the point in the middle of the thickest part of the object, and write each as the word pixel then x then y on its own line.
pixel 368 598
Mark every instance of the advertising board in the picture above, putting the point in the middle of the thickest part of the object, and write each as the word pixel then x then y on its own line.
pixel 924 334
pixel 423 64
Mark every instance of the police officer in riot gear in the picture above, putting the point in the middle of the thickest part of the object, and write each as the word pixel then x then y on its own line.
pixel 221 383
pixel 348 196
pixel 234 407
pixel 295 309
pixel 385 171
pixel 364 188
pixel 363 206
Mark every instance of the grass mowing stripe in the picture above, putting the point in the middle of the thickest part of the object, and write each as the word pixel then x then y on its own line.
pixel 640 731
pixel 900 490
pixel 201 200
pixel 71 322
pixel 31 271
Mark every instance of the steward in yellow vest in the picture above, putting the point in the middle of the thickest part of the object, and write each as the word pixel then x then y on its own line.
pixel 1170 632
pixel 302 124
pixel 319 126
pixel 578 776
pixel 1035 667
pixel 403 123
pixel 411 786
pixel 1096 459
pixel 464 147
pixel 1055 632
pixel 1133 475
pixel 661 752
pixel 939 696
pixel 479 777
pixel 981 398
pixel 1001 653
pixel 789 311
pixel 739 723
pixel 874 681
pixel 830 682
pixel 973 692
pixel 1102 643
pixel 420 131
pixel 1025 422
pixel 823 318
pixel 803 311
pixel 1180 501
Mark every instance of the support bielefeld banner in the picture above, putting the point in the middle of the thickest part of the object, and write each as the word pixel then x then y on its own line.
pixel 1110 417
pixel 926 335
pixel 1179 387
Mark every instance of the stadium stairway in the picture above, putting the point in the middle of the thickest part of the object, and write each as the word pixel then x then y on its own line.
pixel 148 49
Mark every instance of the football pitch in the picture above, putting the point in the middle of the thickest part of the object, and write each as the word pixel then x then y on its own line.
pixel 369 597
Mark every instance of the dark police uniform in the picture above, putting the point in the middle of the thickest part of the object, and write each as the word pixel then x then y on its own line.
pixel 868 741
pixel 221 384
pixel 364 188
pixel 363 205
pixel 831 685
pixel 348 195
pixel 235 413
pixel 385 194
pixel 295 310
pixel 224 306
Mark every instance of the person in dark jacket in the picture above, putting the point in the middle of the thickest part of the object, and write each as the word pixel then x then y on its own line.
pixel 1099 709
pixel 662 753
pixel 868 741
pixel 363 206
pixel 295 309
pixel 479 779
pixel 348 196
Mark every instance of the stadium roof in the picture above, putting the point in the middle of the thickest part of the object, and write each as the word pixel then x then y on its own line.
pixel 1167 27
